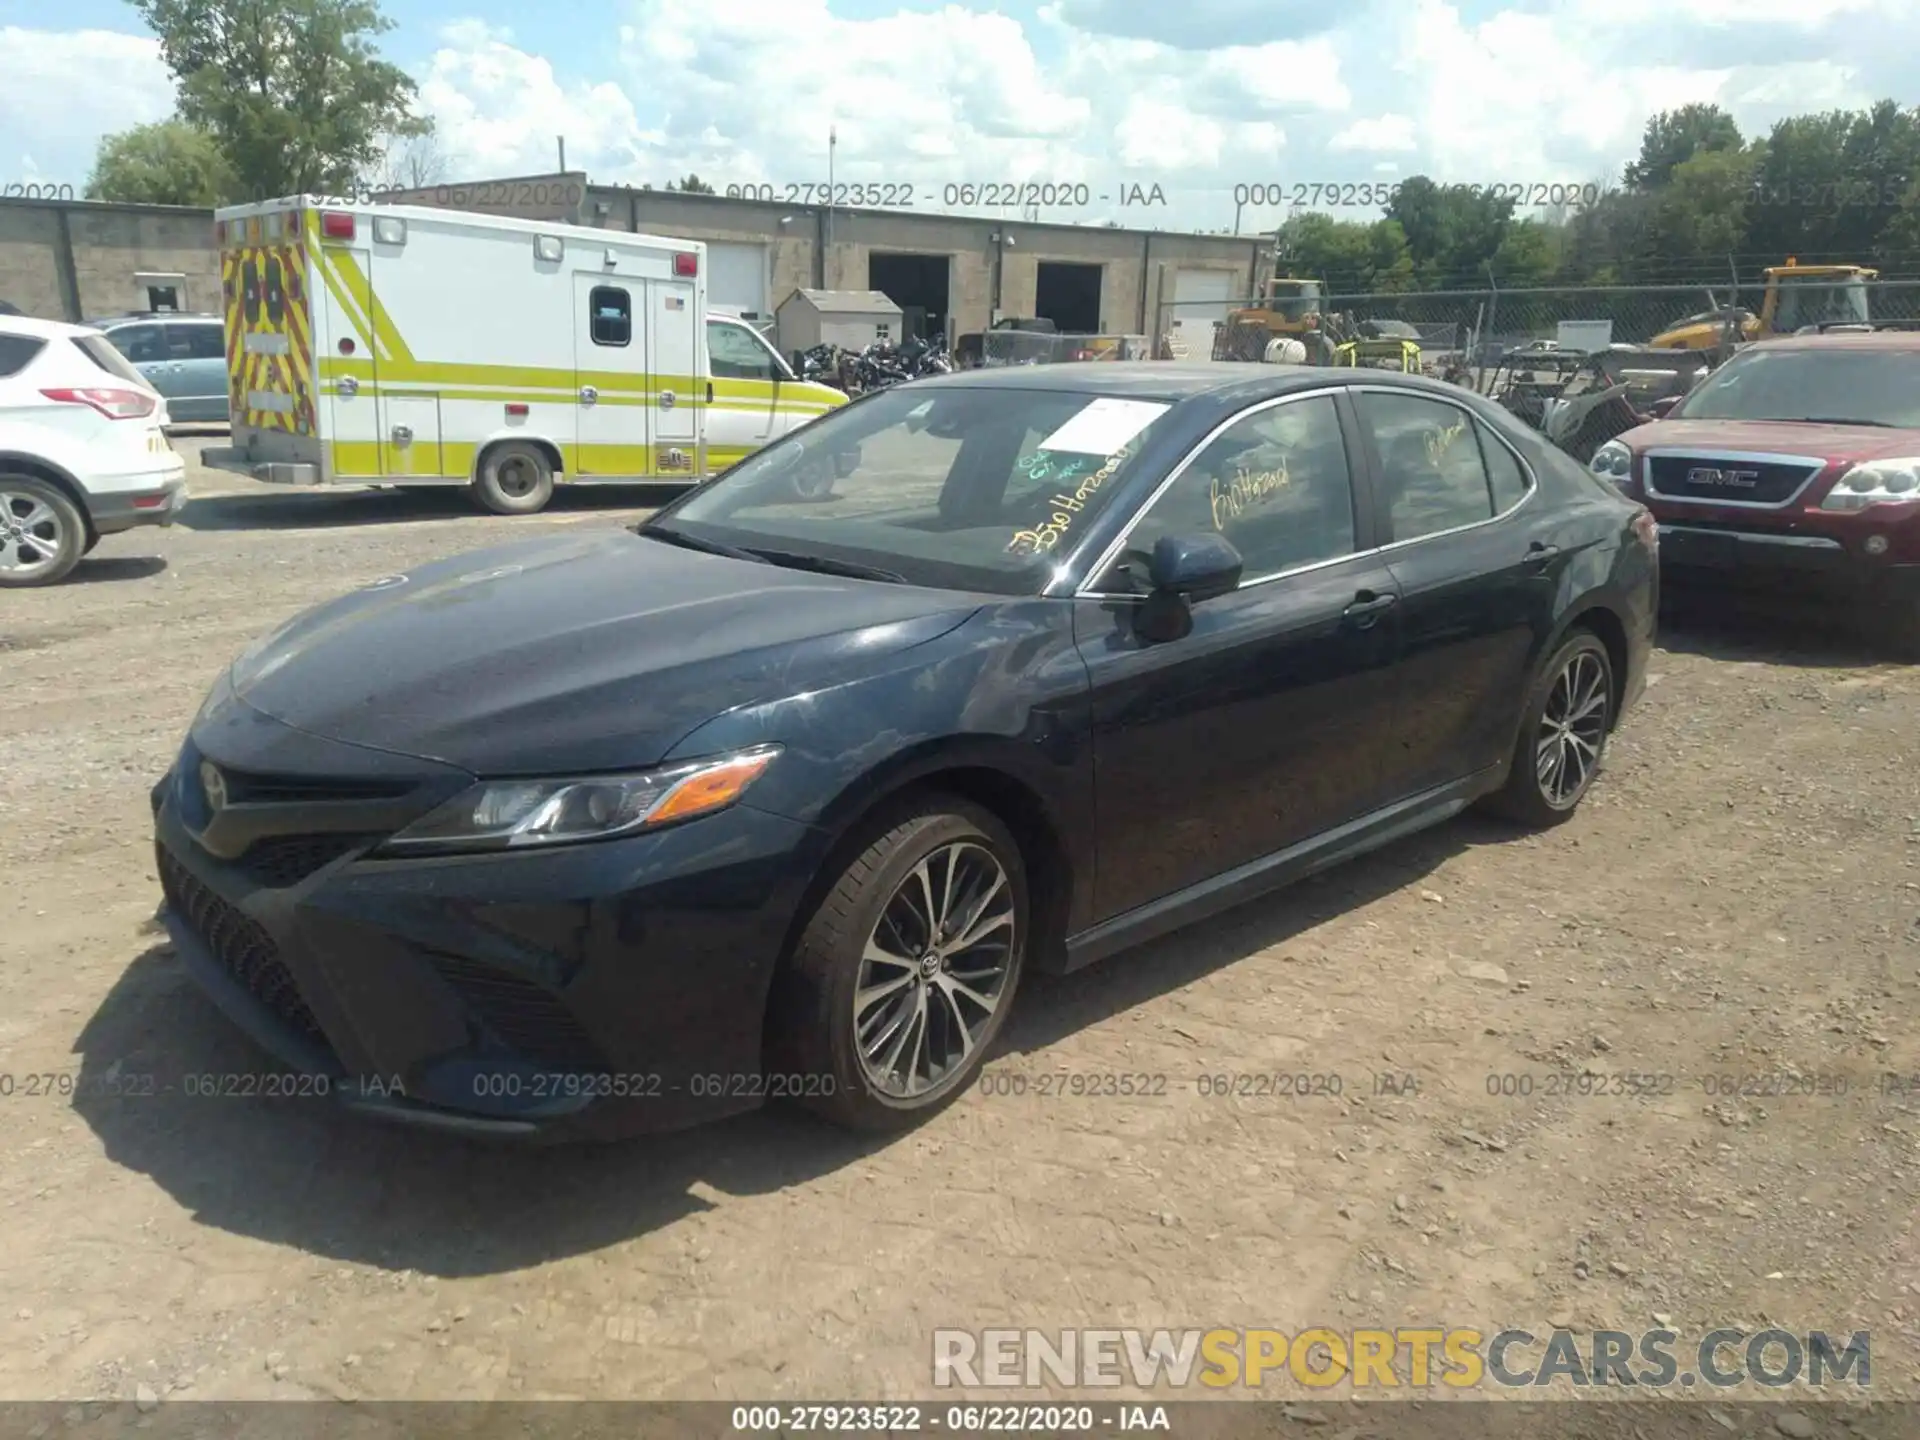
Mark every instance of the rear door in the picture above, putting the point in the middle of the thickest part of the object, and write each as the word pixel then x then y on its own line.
pixel 351 380
pixel 1477 566
pixel 145 347
pixel 1261 727
pixel 203 370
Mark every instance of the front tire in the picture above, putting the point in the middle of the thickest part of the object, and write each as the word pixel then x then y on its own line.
pixel 42 533
pixel 1563 735
pixel 905 974
pixel 515 479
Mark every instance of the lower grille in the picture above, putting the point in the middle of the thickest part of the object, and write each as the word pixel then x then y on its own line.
pixel 1729 478
pixel 289 859
pixel 239 945
pixel 526 1017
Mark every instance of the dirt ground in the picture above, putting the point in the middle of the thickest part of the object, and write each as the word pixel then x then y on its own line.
pixel 1740 896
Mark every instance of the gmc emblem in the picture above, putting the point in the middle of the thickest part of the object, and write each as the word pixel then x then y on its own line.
pixel 1738 479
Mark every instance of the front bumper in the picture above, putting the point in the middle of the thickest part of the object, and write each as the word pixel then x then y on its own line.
pixel 588 992
pixel 1815 566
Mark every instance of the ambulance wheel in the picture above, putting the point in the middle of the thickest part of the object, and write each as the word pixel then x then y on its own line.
pixel 515 479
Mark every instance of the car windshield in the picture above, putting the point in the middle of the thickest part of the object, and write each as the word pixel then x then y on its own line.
pixel 966 487
pixel 1837 386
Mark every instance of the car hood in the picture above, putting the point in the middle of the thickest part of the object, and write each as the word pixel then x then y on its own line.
pixel 1778 437
pixel 575 654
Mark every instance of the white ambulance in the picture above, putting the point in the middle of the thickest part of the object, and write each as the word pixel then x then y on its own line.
pixel 401 345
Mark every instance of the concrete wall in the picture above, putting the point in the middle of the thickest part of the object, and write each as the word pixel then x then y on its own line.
pixel 71 259
pixel 1136 264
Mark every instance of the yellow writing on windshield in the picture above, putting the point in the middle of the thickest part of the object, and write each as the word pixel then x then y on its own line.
pixel 1046 535
pixel 1248 487
pixel 1441 441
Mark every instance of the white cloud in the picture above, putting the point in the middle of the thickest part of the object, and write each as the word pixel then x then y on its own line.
pixel 62 90
pixel 500 108
pixel 1110 92
pixel 1392 133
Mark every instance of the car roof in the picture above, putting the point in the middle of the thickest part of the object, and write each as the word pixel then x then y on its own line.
pixel 41 329
pixel 147 317
pixel 1895 340
pixel 1173 380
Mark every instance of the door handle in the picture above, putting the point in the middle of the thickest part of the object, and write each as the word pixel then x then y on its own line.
pixel 1539 552
pixel 1367 608
pixel 588 394
pixel 709 392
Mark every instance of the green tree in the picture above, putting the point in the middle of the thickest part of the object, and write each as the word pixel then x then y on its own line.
pixel 692 185
pixel 1453 231
pixel 167 163
pixel 1528 253
pixel 293 90
pixel 1700 217
pixel 1674 137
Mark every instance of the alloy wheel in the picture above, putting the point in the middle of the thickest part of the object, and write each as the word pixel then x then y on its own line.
pixel 31 533
pixel 1573 726
pixel 934 971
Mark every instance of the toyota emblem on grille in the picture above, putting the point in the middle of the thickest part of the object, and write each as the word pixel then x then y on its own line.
pixel 214 784
pixel 1708 475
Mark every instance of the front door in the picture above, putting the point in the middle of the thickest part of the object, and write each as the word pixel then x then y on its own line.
pixel 1259 728
pixel 1478 578
pixel 203 371
pixel 746 390
pixel 615 405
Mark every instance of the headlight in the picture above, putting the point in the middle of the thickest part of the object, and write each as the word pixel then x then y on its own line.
pixel 1613 460
pixel 1876 482
pixel 514 814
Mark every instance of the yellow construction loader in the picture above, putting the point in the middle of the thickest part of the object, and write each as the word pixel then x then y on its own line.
pixel 1797 296
pixel 1289 310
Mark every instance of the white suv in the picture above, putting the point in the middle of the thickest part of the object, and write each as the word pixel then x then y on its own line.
pixel 83 449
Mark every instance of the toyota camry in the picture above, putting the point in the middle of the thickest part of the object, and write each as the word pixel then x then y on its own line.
pixel 780 792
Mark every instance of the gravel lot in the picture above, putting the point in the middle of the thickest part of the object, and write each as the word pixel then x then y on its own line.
pixel 1740 896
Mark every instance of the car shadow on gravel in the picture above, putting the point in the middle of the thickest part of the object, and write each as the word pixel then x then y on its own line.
pixel 1759 628
pixel 102 569
pixel 334 509
pixel 299 1172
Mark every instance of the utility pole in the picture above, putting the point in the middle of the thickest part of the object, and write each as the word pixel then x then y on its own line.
pixel 563 153
pixel 833 139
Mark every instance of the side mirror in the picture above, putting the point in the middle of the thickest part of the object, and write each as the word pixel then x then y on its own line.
pixel 1194 567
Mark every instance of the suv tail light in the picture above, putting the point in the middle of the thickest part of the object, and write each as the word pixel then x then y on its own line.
pixel 114 404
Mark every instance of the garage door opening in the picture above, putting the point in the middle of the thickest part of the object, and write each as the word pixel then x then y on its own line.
pixel 1069 295
pixel 918 285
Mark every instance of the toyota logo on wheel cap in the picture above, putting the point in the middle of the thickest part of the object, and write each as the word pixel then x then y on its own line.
pixel 214 784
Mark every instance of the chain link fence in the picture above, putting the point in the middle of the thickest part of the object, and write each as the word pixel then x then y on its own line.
pixel 1479 327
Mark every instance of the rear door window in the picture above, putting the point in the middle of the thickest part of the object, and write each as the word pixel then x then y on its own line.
pixel 17 352
pixel 142 344
pixel 205 342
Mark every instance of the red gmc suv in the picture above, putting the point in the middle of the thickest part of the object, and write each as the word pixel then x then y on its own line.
pixel 1794 467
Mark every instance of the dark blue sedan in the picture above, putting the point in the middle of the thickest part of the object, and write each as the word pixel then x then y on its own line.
pixel 779 793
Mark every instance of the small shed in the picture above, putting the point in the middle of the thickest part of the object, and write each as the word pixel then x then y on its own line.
pixel 851 319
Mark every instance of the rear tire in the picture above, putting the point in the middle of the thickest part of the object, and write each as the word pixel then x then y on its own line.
pixel 1563 736
pixel 879 1028
pixel 42 532
pixel 515 478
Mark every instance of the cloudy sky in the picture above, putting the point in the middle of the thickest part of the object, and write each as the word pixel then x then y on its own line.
pixel 1194 96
